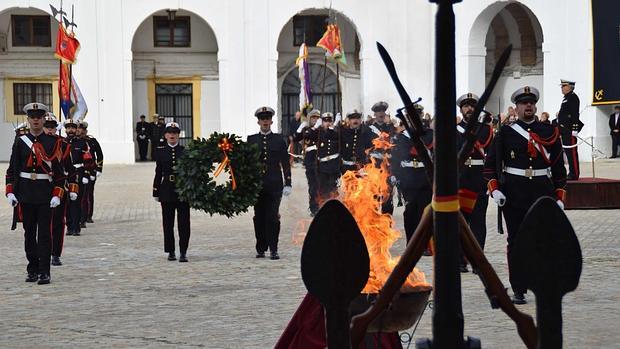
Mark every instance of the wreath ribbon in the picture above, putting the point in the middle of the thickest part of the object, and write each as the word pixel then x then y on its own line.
pixel 226 147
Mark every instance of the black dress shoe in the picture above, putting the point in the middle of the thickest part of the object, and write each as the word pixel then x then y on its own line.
pixel 90 220
pixel 183 258
pixel 274 256
pixel 463 268
pixel 44 279
pixel 475 271
pixel 56 260
pixel 32 277
pixel 76 233
pixel 260 254
pixel 83 225
pixel 519 298
pixel 172 256
pixel 69 232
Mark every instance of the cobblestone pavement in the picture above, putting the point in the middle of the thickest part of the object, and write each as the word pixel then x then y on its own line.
pixel 117 290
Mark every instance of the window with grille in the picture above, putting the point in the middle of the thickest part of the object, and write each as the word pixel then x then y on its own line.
pixel 31 31
pixel 171 33
pixel 24 93
pixel 308 29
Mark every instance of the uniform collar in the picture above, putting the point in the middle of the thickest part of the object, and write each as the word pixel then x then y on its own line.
pixel 265 134
pixel 173 146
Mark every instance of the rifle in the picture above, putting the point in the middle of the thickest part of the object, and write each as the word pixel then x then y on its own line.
pixel 498 171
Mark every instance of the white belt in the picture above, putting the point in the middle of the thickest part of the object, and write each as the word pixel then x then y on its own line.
pixel 311 148
pixel 78 165
pixel 414 164
pixel 376 155
pixel 329 157
pixel 35 176
pixel 474 162
pixel 529 172
pixel 348 163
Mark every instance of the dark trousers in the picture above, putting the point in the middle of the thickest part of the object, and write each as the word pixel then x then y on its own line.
pixel 388 203
pixel 74 211
pixel 313 190
pixel 88 201
pixel 615 143
pixel 143 147
pixel 415 202
pixel 477 219
pixel 58 226
pixel 37 236
pixel 327 186
pixel 168 210
pixel 572 155
pixel 513 216
pixel 267 221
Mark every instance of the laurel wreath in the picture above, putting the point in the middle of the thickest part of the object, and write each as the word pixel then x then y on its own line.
pixel 196 182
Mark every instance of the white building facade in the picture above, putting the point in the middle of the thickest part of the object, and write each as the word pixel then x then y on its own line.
pixel 210 63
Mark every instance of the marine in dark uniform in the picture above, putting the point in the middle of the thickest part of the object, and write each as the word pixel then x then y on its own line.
pixel 158 127
pixel 143 135
pixel 568 120
pixel 328 157
pixel 472 186
pixel 93 168
pixel 78 149
pixel 354 142
pixel 410 177
pixel 70 186
pixel 382 127
pixel 34 179
pixel 530 152
pixel 305 133
pixel 164 191
pixel 276 182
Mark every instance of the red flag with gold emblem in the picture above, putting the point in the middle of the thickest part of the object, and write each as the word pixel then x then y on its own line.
pixel 67 46
pixel 332 43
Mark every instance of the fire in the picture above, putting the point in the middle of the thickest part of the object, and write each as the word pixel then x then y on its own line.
pixel 362 194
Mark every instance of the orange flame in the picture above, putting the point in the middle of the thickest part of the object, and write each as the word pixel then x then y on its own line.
pixel 362 193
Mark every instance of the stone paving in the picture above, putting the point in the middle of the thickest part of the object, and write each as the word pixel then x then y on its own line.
pixel 117 290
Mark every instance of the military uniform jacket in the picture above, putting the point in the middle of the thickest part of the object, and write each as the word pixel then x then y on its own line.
pixel 353 146
pixel 309 144
pixel 470 176
pixel 275 159
pixel 157 134
pixel 516 152
pixel 33 157
pixel 143 130
pixel 404 161
pixel 96 153
pixel 76 148
pixel 376 130
pixel 568 116
pixel 164 184
pixel 328 152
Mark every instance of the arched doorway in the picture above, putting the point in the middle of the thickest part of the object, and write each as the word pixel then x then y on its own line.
pixel 308 26
pixel 325 96
pixel 175 70
pixel 495 28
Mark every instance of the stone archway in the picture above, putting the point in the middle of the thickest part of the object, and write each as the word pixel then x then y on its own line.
pixel 496 27
pixel 350 83
pixel 175 71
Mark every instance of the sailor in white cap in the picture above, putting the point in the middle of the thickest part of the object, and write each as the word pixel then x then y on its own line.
pixel 570 125
pixel 531 156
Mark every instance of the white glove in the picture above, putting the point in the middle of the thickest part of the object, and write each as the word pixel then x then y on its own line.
pixel 560 203
pixel 393 180
pixel 54 202
pixel 72 196
pixel 499 197
pixel 574 133
pixel 98 174
pixel 302 126
pixel 12 199
pixel 156 199
pixel 286 191
pixel 92 178
pixel 338 119
pixel 84 180
pixel 317 124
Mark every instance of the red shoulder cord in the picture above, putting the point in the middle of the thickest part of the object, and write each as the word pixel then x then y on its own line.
pixel 42 155
pixel 531 148
pixel 479 146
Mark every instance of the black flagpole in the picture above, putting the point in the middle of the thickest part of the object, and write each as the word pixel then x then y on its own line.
pixel 447 310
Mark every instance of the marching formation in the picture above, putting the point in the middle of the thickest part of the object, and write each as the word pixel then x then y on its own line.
pixel 50 184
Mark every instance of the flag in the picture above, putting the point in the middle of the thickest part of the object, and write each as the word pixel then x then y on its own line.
pixel 65 95
pixel 305 97
pixel 67 46
pixel 79 109
pixel 332 43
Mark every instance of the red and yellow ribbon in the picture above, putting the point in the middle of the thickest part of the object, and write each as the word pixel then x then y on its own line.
pixel 226 147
